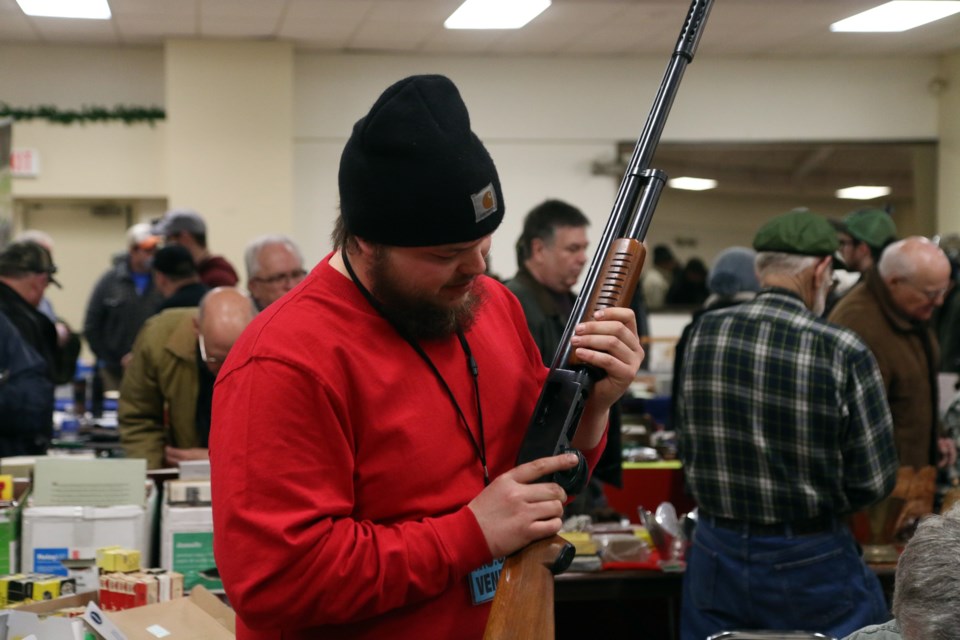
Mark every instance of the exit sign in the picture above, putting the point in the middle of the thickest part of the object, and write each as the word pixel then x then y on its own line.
pixel 25 163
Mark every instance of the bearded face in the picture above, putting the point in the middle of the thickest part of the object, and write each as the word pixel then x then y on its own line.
pixel 426 308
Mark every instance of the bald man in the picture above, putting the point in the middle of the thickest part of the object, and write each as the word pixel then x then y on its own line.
pixel 891 310
pixel 167 389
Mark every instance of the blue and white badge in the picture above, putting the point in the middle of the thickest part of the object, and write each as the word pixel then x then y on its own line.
pixel 483 581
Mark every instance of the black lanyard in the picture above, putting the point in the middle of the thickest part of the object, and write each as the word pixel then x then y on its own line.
pixel 480 447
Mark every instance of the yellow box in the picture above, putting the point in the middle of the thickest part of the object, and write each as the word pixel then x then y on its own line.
pixel 581 541
pixel 6 488
pixel 5 588
pixel 46 587
pixel 116 559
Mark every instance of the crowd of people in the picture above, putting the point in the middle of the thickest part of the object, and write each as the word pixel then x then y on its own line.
pixel 363 433
pixel 159 322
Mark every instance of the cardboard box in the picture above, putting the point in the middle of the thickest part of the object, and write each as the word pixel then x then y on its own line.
pixel 186 545
pixel 52 534
pixel 188 492
pixel 194 470
pixel 79 599
pixel 15 623
pixel 201 615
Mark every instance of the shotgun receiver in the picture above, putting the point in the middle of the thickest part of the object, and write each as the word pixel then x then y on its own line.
pixel 613 274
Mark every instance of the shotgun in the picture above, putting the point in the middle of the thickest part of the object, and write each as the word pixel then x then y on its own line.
pixel 611 281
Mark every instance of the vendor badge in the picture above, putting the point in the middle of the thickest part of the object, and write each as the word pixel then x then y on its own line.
pixel 483 581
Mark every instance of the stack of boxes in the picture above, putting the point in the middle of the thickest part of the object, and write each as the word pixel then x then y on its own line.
pixel 123 585
pixel 24 588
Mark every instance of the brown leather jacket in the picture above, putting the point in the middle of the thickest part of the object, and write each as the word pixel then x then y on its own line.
pixel 908 355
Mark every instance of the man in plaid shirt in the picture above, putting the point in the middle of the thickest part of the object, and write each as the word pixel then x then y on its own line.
pixel 784 430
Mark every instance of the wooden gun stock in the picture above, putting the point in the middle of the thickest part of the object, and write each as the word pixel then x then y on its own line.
pixel 524 602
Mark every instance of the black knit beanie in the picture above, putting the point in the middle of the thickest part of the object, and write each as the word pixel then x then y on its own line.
pixel 413 174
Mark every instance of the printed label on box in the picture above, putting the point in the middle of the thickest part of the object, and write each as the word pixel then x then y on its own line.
pixel 49 561
pixel 193 557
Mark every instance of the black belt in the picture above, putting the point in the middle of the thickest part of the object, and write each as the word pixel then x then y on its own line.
pixel 819 524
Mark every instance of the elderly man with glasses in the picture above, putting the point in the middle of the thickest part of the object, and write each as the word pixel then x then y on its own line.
pixel 891 309
pixel 167 390
pixel 274 266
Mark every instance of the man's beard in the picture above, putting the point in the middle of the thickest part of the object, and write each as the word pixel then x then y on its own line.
pixel 419 318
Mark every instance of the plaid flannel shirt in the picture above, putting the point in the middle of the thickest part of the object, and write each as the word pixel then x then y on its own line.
pixel 782 415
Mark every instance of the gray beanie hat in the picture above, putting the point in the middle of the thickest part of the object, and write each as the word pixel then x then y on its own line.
pixel 733 272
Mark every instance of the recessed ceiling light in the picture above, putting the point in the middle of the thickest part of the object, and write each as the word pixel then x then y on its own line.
pixel 898 15
pixel 495 14
pixel 692 184
pixel 863 192
pixel 89 9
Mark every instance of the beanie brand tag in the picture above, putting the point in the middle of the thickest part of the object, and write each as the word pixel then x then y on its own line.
pixel 484 202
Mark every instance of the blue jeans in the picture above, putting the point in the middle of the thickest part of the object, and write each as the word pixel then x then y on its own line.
pixel 816 582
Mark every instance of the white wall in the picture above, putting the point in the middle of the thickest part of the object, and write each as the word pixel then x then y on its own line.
pixel 545 120
pixel 93 160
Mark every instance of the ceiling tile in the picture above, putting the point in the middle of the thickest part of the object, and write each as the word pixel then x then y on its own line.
pixel 568 27
pixel 389 36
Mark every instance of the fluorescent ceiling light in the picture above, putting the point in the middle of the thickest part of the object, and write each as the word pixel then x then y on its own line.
pixel 495 14
pixel 863 192
pixel 692 184
pixel 90 9
pixel 898 15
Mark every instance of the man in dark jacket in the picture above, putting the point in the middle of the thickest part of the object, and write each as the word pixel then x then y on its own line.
pixel 187 228
pixel 121 301
pixel 26 395
pixel 26 270
pixel 551 253
pixel 30 358
pixel 175 276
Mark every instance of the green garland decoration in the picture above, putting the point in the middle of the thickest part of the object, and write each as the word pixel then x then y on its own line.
pixel 128 115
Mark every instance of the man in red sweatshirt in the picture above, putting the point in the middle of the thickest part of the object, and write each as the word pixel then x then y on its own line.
pixel 366 425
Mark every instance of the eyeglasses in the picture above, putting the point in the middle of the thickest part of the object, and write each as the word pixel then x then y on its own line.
pixel 934 295
pixel 293 277
pixel 203 353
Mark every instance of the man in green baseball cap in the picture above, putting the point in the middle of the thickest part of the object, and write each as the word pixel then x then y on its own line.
pixel 863 235
pixel 764 390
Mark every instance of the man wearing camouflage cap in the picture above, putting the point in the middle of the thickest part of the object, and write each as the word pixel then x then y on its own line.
pixel 784 431
pixel 29 353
